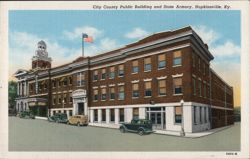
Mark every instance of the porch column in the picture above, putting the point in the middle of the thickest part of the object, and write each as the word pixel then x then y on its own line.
pixel 128 112
pixel 18 89
pixel 86 107
pixel 99 115
pixel 91 115
pixel 107 116
pixel 116 116
pixel 25 89
pixel 21 89
pixel 142 113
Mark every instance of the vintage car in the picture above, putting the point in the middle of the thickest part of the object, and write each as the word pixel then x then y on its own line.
pixel 58 118
pixel 140 126
pixel 26 114
pixel 78 120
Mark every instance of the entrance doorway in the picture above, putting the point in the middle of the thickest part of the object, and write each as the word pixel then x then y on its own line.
pixel 157 117
pixel 80 108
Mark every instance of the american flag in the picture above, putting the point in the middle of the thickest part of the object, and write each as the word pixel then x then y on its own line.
pixel 87 38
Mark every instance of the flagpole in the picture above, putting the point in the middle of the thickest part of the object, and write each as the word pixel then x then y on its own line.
pixel 82 46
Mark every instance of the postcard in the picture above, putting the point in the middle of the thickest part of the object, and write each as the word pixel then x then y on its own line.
pixel 124 79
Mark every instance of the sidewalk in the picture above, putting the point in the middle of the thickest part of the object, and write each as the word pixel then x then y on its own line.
pixel 191 135
pixel 167 132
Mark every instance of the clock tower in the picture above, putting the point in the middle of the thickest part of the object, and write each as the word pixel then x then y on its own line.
pixel 41 59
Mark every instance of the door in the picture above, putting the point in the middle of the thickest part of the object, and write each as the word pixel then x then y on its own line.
pixel 80 108
pixel 156 119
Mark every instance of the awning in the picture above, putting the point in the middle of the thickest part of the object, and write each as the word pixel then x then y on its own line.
pixel 37 102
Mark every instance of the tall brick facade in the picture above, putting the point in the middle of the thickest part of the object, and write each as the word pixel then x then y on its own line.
pixel 152 78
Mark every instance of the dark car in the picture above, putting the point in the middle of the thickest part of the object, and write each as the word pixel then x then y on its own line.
pixel 58 118
pixel 140 126
pixel 12 112
pixel 26 114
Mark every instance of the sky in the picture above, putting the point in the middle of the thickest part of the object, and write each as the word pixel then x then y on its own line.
pixel 62 31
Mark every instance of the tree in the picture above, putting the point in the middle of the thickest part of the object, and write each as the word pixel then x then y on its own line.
pixel 12 93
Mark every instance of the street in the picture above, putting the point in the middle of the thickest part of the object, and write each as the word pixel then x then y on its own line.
pixel 41 135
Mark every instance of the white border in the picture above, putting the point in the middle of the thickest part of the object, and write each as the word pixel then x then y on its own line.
pixel 6 6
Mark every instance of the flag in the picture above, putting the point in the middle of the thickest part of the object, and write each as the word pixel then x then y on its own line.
pixel 89 39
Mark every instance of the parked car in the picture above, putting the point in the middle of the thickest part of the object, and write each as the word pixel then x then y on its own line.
pixel 78 120
pixel 58 118
pixel 26 114
pixel 12 112
pixel 140 126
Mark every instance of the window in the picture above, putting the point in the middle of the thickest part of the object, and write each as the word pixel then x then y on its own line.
pixel 104 94
pixel 161 61
pixel 54 112
pixel 177 85
pixel 135 66
pixel 135 89
pixel 200 88
pixel 135 113
pixel 59 83
pixel 121 94
pixel 208 90
pixel 59 100
pixel 200 115
pixel 95 76
pixel 95 115
pixel 45 86
pixel 147 64
pixel 112 93
pixel 80 78
pixel 205 114
pixel 178 114
pixel 199 64
pixel 65 98
pixel 95 94
pixel 162 87
pixel 194 86
pixel 205 90
pixel 121 115
pixel 112 72
pixel 112 115
pixel 54 100
pixel 53 83
pixel 148 90
pixel 65 82
pixel 193 59
pixel 204 68
pixel 121 70
pixel 177 58
pixel 70 80
pixel 70 112
pixel 70 98
pixel 103 74
pixel 195 118
pixel 103 114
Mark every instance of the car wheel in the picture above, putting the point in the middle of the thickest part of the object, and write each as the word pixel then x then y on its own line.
pixel 122 130
pixel 78 124
pixel 67 122
pixel 56 121
pixel 141 132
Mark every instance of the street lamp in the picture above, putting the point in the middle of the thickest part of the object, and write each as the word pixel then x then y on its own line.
pixel 182 119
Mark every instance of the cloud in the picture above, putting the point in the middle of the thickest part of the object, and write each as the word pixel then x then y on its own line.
pixel 105 44
pixel 136 33
pixel 77 32
pixel 227 49
pixel 208 35
pixel 23 46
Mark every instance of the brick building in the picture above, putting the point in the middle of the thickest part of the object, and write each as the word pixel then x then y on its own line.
pixel 165 77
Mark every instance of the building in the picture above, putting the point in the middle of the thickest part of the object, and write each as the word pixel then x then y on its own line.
pixel 165 77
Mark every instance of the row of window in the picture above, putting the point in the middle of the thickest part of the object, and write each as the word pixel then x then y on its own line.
pixel 203 117
pixel 206 88
pixel 201 65
pixel 177 89
pixel 62 99
pixel 70 112
pixel 177 61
